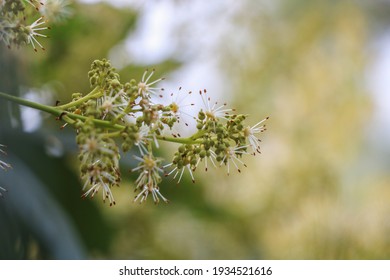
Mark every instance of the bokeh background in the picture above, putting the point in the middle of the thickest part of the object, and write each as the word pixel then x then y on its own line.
pixel 319 190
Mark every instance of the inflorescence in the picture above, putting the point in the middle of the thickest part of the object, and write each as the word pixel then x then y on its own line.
pixel 115 118
pixel 128 112
pixel 14 15
pixel 118 116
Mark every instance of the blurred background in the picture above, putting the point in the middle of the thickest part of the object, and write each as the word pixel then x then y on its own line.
pixel 319 190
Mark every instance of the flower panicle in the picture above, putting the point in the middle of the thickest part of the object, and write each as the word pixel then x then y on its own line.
pixel 131 114
pixel 99 162
pixel 14 31
pixel 149 169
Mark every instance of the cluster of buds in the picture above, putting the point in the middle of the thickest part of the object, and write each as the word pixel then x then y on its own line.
pixel 13 28
pixel 14 14
pixel 3 166
pixel 128 112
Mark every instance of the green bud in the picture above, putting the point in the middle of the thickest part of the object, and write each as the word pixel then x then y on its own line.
pixel 115 83
pixel 125 147
pixel 201 115
pixel 182 148
pixel 193 161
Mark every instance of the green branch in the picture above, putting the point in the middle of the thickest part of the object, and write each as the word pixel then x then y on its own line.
pixel 71 117
pixel 188 140
pixel 49 109
pixel 93 94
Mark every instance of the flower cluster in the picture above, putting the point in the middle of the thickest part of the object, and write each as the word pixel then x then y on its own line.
pixel 99 161
pixel 129 113
pixel 222 139
pixel 14 29
pixel 3 166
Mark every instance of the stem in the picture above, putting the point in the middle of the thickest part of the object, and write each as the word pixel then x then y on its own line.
pixel 198 134
pixel 188 140
pixel 71 117
pixel 94 93
pixel 58 112
pixel 49 109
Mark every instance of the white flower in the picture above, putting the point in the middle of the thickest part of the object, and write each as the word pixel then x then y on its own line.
pixel 210 155
pixel 213 111
pixel 179 106
pixel 249 132
pixel 154 190
pixel 99 158
pixel 232 155
pixel 142 139
pixel 33 32
pixel 112 104
pixel 146 88
pixel 55 10
pixel 97 177
pixel 149 178
pixel 95 146
pixel 180 172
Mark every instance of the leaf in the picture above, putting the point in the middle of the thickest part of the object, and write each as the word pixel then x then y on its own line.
pixel 29 205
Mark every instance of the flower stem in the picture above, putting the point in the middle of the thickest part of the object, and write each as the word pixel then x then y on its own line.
pixel 45 108
pixel 71 117
pixel 58 112
pixel 188 140
pixel 94 93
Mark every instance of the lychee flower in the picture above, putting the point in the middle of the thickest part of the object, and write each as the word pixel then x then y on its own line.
pixel 149 178
pixel 179 107
pixel 113 104
pixel 99 166
pixel 206 156
pixel 94 147
pixel 142 139
pixel 98 177
pixel 233 155
pixel 249 133
pixel 214 111
pixel 33 32
pixel 55 10
pixel 146 88
pixel 180 171
pixel 154 190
